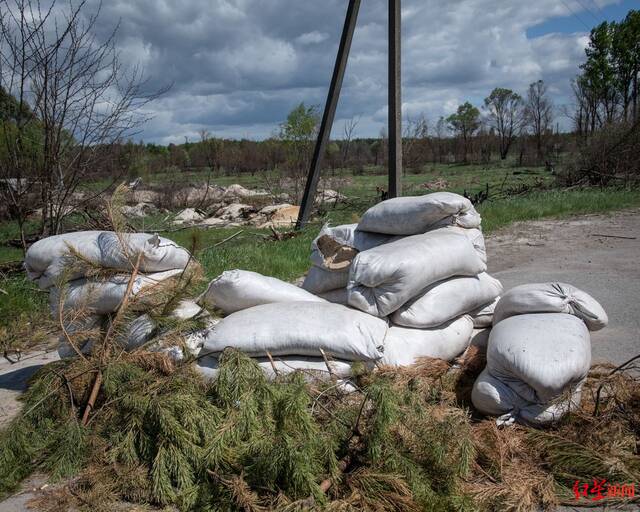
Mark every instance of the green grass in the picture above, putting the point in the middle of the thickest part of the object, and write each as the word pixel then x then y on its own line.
pixel 555 204
pixel 10 231
pixel 21 296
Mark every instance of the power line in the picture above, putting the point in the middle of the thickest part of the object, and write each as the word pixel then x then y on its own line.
pixel 594 2
pixel 586 8
pixel 576 16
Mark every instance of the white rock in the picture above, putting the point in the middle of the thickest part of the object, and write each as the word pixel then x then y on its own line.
pixel 236 211
pixel 329 196
pixel 237 190
pixel 139 211
pixel 214 222
pixel 187 216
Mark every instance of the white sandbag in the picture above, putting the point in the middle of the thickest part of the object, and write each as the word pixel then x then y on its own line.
pixel 480 338
pixel 546 352
pixel 551 298
pixel 138 332
pixel 186 310
pixel 319 280
pixel 403 346
pixel 312 367
pixel 416 214
pixel 491 396
pixel 384 278
pixel 349 236
pixel 72 254
pixel 539 359
pixel 300 328
pixel 102 297
pixel 445 300
pixel 339 296
pixel 144 328
pixel 483 316
pixel 474 235
pixel 81 331
pixel 234 290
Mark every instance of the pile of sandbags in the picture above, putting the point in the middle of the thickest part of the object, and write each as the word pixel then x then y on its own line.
pixel 420 263
pixel 400 285
pixel 87 274
pixel 538 354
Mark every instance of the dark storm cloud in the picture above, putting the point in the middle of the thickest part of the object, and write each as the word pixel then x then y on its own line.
pixel 238 66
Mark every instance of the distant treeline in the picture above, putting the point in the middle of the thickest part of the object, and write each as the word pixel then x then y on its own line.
pixel 228 157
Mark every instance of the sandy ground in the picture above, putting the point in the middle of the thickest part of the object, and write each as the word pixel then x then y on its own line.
pixel 598 253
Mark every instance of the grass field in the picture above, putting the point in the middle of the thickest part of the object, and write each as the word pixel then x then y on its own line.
pixel 289 259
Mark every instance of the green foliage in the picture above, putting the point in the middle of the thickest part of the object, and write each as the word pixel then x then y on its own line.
pixel 301 124
pixel 465 121
pixel 607 88
pixel 240 440
pixel 402 442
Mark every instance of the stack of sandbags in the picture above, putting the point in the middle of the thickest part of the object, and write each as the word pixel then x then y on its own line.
pixel 415 263
pixel 87 274
pixel 331 254
pixel 538 354
pixel 418 261
pixel 285 328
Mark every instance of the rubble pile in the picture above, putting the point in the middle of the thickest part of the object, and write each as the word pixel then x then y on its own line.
pixel 216 206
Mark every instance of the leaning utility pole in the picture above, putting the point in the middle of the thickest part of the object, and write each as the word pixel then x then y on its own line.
pixel 395 107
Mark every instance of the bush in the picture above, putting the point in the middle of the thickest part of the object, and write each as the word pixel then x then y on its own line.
pixel 608 157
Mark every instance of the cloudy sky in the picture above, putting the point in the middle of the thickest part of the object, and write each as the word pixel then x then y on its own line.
pixel 238 66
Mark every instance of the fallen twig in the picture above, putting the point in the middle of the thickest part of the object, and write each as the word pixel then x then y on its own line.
pixel 18 354
pixel 273 363
pixel 615 236
pixel 218 244
pixel 92 398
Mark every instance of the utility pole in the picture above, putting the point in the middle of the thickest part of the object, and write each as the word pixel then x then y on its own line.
pixel 395 100
pixel 395 107
pixel 329 112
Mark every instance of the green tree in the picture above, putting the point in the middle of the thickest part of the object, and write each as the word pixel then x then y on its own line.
pixel 625 59
pixel 298 133
pixel 600 72
pixel 464 123
pixel 504 109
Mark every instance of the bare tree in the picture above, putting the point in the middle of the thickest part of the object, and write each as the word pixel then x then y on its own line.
pixel 538 112
pixel 350 126
pixel 415 142
pixel 73 98
pixel 504 109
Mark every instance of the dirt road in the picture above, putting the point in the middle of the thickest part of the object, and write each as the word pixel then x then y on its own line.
pixel 598 253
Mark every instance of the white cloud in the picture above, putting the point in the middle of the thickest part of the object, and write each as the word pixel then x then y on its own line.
pixel 238 66
pixel 313 37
